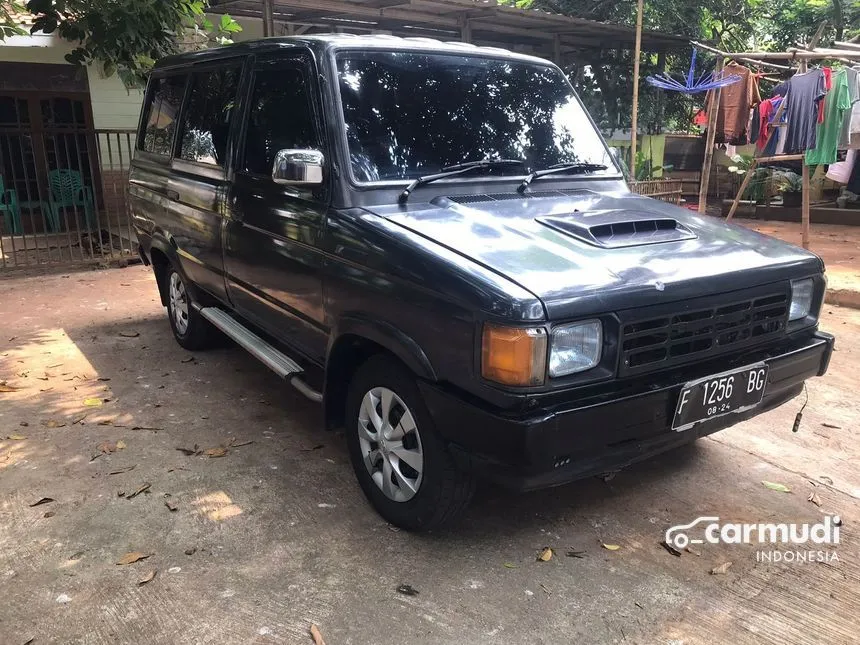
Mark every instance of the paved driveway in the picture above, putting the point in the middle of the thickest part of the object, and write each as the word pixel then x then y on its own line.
pixel 275 536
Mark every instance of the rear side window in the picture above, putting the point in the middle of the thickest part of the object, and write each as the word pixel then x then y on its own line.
pixel 162 113
pixel 206 124
pixel 280 117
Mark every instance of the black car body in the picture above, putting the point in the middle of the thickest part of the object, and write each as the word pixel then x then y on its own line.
pixel 535 329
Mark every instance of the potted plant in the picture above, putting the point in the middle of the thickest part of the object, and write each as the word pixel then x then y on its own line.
pixel 790 185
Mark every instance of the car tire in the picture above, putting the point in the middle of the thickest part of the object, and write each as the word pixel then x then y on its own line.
pixel 190 329
pixel 425 489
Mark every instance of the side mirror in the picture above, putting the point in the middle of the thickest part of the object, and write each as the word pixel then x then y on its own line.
pixel 298 167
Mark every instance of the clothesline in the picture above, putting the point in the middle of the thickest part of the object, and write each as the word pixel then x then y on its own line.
pixel 811 136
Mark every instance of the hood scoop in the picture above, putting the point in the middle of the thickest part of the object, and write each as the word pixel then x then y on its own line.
pixel 613 229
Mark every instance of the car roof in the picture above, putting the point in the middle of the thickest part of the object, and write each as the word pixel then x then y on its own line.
pixel 323 42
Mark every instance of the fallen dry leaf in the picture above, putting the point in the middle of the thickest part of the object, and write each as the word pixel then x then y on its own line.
pixel 132 557
pixel 316 635
pixel 827 480
pixel 129 334
pixel 106 447
pixel 149 577
pixel 120 445
pixel 695 552
pixel 723 568
pixel 16 437
pixel 52 423
pixel 832 425
pixel 49 514
pixel 93 402
pixel 187 359
pixel 545 554
pixel 220 451
pixel 610 547
pixel 407 590
pixel 236 444
pixel 42 500
pixel 8 388
pixel 813 497
pixel 141 488
pixel 780 488
pixel 509 565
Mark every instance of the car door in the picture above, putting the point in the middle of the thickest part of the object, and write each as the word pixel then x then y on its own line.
pixel 197 186
pixel 272 249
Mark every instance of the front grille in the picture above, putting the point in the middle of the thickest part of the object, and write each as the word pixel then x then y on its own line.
pixel 674 338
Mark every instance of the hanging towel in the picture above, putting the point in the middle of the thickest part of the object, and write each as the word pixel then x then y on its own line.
pixel 840 172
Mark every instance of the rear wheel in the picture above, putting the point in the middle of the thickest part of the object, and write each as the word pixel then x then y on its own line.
pixel 398 458
pixel 190 329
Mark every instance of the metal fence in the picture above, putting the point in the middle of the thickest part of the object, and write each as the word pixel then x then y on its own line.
pixel 64 196
pixel 666 190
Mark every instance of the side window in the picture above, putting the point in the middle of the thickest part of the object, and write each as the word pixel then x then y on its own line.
pixel 206 124
pixel 163 110
pixel 280 117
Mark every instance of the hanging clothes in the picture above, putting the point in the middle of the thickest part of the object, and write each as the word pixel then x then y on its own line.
pixel 838 102
pixel 850 136
pixel 840 172
pixel 828 83
pixel 767 111
pixel 733 111
pixel 803 93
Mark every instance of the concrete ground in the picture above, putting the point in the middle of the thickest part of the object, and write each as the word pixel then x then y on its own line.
pixel 275 535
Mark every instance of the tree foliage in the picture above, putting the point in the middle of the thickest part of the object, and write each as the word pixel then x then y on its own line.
pixel 604 77
pixel 125 36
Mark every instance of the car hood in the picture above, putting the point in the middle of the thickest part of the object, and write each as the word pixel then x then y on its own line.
pixel 583 252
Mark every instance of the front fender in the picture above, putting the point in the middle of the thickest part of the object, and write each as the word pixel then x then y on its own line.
pixel 388 336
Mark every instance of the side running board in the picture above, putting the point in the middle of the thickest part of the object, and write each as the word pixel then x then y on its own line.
pixel 271 357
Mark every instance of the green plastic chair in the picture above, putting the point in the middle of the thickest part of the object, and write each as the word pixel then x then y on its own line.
pixel 10 208
pixel 68 191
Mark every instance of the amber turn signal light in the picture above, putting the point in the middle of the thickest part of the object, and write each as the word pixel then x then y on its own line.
pixel 513 355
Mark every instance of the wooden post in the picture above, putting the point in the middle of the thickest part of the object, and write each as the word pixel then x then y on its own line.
pixel 713 106
pixel 268 18
pixel 634 117
pixel 805 205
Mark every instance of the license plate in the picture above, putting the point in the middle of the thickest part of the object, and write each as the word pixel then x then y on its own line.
pixel 720 394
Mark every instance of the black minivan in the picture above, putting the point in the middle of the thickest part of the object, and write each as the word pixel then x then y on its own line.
pixel 433 241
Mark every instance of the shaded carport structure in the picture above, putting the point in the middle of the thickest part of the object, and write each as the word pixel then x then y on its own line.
pixel 487 23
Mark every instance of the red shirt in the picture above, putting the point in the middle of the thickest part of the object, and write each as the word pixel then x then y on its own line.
pixel 828 83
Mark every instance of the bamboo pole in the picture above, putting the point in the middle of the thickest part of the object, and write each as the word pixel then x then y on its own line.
pixel 744 184
pixel 713 106
pixel 634 117
pixel 792 54
pixel 805 206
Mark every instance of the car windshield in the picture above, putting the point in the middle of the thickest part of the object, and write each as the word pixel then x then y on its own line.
pixel 410 114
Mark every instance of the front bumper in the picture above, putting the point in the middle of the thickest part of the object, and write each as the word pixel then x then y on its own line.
pixel 611 430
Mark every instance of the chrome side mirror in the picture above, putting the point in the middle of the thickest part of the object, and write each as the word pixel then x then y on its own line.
pixel 298 167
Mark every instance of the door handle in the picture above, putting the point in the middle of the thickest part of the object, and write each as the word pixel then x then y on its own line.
pixel 173 194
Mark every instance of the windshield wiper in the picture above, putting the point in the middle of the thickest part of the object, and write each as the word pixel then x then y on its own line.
pixel 577 166
pixel 456 169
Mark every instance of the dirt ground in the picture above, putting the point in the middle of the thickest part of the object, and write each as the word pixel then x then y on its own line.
pixel 275 536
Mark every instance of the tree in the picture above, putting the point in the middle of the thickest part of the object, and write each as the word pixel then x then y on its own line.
pixel 124 36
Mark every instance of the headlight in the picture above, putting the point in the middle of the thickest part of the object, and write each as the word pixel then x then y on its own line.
pixel 575 348
pixel 801 298
pixel 513 355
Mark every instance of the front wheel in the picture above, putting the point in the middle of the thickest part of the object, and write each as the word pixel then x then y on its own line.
pixel 400 462
pixel 190 329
